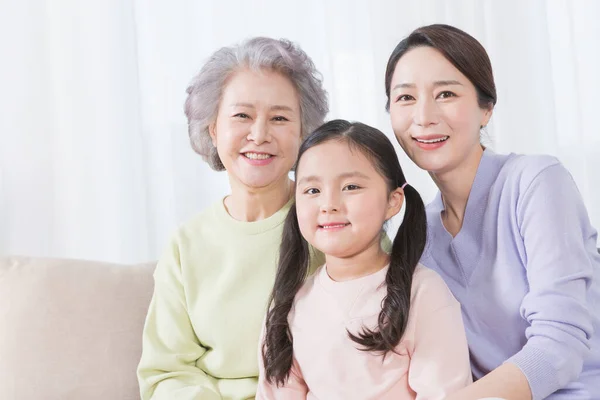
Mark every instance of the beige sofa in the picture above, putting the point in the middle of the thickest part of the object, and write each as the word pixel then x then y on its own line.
pixel 71 329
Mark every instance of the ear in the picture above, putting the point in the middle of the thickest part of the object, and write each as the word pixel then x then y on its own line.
pixel 212 130
pixel 487 115
pixel 395 202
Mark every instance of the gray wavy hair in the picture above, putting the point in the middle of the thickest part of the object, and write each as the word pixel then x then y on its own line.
pixel 283 56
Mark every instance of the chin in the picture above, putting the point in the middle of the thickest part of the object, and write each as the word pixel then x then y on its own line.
pixel 333 250
pixel 257 181
pixel 432 164
pixel 264 178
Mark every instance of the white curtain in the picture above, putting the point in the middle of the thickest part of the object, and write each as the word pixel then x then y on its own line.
pixel 94 155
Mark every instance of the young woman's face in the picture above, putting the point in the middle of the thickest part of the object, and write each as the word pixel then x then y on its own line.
pixel 257 131
pixel 341 199
pixel 434 111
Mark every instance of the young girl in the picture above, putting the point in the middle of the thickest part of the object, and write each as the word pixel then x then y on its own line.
pixel 367 324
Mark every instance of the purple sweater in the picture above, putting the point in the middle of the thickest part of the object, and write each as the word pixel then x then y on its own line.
pixel 527 274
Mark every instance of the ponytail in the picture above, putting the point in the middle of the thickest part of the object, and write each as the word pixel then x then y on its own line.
pixel 407 250
pixel 292 269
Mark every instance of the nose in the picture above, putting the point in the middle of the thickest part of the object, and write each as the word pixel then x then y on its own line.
pixel 259 132
pixel 330 204
pixel 426 112
pixel 328 209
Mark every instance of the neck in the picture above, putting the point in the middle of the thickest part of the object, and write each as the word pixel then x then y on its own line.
pixel 255 204
pixel 362 264
pixel 455 186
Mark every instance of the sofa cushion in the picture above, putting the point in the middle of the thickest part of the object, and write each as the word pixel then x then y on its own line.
pixel 71 329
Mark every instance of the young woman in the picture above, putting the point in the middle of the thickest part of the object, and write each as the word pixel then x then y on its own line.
pixel 509 234
pixel 248 110
pixel 367 324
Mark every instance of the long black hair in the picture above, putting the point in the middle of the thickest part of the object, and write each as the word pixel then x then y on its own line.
pixel 294 255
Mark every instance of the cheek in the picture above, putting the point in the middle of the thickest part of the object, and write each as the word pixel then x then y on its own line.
pixel 229 136
pixel 306 214
pixel 289 140
pixel 464 119
pixel 401 122
pixel 370 210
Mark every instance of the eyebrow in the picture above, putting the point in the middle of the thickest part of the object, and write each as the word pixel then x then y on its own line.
pixel 273 108
pixel 353 174
pixel 435 84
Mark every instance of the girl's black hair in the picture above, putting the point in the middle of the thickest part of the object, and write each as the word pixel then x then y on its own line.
pixel 294 256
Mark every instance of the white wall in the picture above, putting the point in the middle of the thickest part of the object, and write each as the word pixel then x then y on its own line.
pixel 94 154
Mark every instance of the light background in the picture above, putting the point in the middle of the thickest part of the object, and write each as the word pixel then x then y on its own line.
pixel 95 161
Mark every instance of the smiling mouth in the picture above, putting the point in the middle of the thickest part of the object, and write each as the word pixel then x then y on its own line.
pixel 257 156
pixel 430 141
pixel 334 226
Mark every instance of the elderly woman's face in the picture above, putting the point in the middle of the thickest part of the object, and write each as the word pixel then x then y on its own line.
pixel 258 128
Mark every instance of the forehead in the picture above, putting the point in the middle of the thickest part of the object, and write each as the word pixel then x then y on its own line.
pixel 259 84
pixel 333 158
pixel 425 64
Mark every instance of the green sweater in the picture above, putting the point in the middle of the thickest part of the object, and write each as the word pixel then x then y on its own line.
pixel 211 290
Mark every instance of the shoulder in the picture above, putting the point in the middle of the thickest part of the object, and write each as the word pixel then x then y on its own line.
pixel 305 297
pixel 527 179
pixel 429 291
pixel 188 233
pixel 537 180
pixel 308 285
pixel 522 170
pixel 201 223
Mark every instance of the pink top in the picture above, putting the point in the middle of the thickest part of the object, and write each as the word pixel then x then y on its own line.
pixel 432 359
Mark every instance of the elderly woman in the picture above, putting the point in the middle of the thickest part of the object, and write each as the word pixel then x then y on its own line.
pixel 248 109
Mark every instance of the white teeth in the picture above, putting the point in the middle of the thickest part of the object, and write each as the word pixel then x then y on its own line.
pixel 256 156
pixel 433 140
pixel 334 226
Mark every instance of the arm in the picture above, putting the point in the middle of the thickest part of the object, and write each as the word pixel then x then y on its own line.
pixel 505 382
pixel 439 363
pixel 552 221
pixel 167 369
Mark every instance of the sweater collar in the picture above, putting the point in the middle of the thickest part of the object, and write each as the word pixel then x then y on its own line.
pixel 466 244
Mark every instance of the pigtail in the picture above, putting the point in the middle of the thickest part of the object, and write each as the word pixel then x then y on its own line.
pixel 407 250
pixel 292 270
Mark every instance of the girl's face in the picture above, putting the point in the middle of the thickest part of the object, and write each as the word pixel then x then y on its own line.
pixel 258 127
pixel 434 110
pixel 342 201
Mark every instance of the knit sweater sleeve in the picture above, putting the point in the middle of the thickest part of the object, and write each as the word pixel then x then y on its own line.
pixel 553 223
pixel 167 369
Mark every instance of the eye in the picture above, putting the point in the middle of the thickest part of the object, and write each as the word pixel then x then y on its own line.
pixel 404 97
pixel 311 191
pixel 279 118
pixel 242 115
pixel 351 187
pixel 446 94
